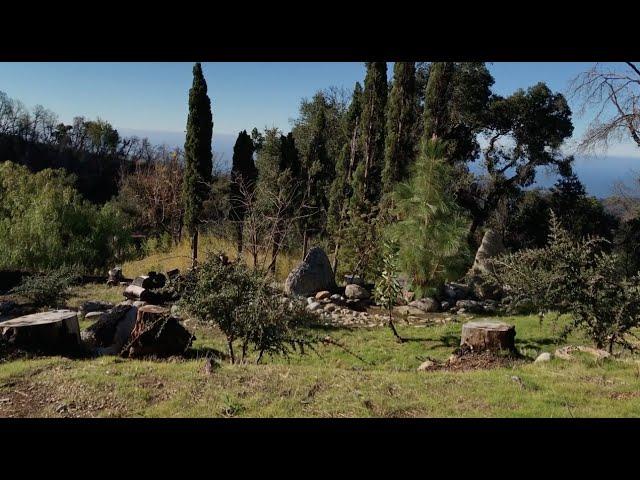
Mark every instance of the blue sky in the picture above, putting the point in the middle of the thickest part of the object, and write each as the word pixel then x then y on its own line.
pixel 151 98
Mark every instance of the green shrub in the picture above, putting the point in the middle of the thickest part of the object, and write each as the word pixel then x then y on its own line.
pixel 48 289
pixel 247 311
pixel 576 277
pixel 45 223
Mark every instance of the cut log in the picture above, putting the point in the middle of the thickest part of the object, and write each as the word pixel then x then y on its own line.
pixel 152 280
pixel 488 335
pixel 134 292
pixel 56 331
pixel 157 333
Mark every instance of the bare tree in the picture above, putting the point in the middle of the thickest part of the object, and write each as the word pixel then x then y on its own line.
pixel 615 95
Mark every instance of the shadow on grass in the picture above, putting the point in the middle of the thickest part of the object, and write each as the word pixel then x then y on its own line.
pixel 205 352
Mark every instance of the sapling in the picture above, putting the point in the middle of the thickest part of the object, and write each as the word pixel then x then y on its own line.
pixel 388 287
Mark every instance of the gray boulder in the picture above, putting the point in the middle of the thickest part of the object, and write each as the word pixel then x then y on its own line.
pixel 356 292
pixel 94 306
pixel 313 275
pixel 426 304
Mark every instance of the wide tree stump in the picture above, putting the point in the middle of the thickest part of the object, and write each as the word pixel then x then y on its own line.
pixel 488 335
pixel 157 333
pixel 54 331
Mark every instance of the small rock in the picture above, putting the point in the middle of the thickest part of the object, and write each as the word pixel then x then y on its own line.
pixel 312 307
pixel 323 294
pixel 336 297
pixel 426 304
pixel 543 357
pixel 310 300
pixel 445 305
pixel 94 306
pixel 426 365
pixel 329 307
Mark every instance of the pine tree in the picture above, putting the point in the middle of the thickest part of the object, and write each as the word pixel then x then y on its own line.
pixel 400 141
pixel 430 230
pixel 198 156
pixel 243 177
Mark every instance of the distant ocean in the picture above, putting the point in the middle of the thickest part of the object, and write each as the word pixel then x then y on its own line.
pixel 598 173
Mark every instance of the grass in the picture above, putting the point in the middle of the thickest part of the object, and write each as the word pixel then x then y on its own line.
pixel 380 380
pixel 179 256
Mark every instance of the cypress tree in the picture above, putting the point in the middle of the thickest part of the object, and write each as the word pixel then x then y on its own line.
pixel 198 156
pixel 245 174
pixel 400 141
pixel 437 100
pixel 361 236
pixel 340 192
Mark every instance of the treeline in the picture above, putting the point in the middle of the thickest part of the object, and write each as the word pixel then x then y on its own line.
pixel 92 150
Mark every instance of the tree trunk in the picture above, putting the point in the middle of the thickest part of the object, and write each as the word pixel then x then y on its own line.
pixel 53 331
pixel 305 243
pixel 194 246
pixel 334 265
pixel 239 237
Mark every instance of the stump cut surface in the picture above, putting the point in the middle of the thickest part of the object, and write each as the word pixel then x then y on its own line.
pixel 488 335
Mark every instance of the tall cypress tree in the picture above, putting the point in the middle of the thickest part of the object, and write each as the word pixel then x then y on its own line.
pixel 361 243
pixel 437 100
pixel 318 179
pixel 400 143
pixel 198 156
pixel 243 177
pixel 340 192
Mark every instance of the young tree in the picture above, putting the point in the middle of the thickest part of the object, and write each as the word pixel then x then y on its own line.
pixel 243 172
pixel 198 156
pixel 388 287
pixel 400 141
pixel 429 228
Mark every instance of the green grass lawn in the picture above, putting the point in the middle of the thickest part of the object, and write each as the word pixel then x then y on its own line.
pixel 377 379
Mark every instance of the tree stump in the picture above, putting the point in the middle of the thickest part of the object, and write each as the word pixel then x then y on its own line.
pixel 488 335
pixel 157 333
pixel 54 331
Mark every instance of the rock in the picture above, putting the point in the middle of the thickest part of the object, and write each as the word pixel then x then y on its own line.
pixel 329 307
pixel 173 274
pixel 355 279
pixel 312 307
pixel 426 365
pixel 445 306
pixel 407 310
pixel 426 304
pixel 55 331
pixel 356 292
pixel 313 275
pixel 543 357
pixel 94 306
pixel 565 353
pixel 456 291
pixel 139 303
pixel 488 335
pixel 490 248
pixel 472 306
pixel 336 298
pixel 323 294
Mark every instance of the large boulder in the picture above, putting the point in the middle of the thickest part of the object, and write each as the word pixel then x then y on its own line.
pixel 490 248
pixel 313 275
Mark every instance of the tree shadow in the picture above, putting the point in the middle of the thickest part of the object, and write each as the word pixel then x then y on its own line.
pixel 205 352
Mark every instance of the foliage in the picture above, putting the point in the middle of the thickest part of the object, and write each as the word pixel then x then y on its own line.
pixel 400 134
pixel 48 289
pixel 197 152
pixel 576 277
pixel 388 286
pixel 243 175
pixel 245 309
pixel 428 226
pixel 45 223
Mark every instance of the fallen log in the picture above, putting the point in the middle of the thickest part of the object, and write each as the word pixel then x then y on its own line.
pixel 135 292
pixel 56 331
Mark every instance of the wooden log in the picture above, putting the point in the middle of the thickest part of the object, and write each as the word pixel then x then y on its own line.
pixel 54 331
pixel 488 335
pixel 134 292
